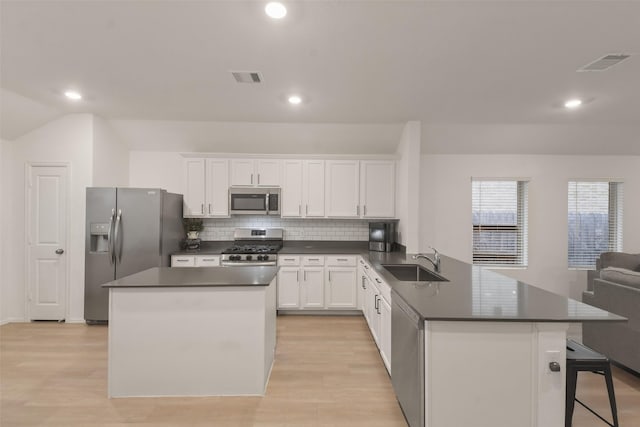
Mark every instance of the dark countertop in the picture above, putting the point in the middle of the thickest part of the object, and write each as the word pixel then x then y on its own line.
pixel 475 293
pixel 162 277
pixel 472 292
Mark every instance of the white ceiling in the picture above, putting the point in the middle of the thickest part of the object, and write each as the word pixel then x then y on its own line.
pixel 368 62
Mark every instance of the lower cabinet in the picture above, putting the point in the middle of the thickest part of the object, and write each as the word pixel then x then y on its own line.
pixel 377 311
pixel 304 282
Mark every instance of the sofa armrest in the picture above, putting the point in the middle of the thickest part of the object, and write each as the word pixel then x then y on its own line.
pixel 616 298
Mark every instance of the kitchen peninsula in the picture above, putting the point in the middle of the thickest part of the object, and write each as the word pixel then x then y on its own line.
pixel 207 331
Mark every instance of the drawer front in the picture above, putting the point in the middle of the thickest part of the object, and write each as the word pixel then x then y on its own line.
pixel 207 261
pixel 183 261
pixel 342 261
pixel 288 259
pixel 313 260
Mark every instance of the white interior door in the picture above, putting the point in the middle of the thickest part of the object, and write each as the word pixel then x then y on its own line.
pixel 47 242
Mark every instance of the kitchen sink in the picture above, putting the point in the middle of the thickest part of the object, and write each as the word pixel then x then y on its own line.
pixel 413 273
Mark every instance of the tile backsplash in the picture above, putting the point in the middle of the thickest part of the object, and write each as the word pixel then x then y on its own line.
pixel 294 229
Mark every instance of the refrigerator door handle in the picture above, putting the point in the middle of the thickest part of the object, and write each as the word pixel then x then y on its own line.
pixel 110 237
pixel 118 237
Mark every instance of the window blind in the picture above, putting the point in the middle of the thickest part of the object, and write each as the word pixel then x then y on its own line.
pixel 499 211
pixel 594 221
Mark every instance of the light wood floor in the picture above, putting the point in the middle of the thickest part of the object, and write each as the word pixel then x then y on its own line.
pixel 327 373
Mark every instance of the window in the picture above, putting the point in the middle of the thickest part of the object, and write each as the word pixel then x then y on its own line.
pixel 499 209
pixel 595 221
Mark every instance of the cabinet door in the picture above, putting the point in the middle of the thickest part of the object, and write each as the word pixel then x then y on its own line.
pixel 291 205
pixel 268 173
pixel 242 172
pixel 289 287
pixel 361 286
pixel 207 260
pixel 342 183
pixel 194 188
pixel 374 317
pixel 313 192
pixel 313 288
pixel 217 187
pixel 385 333
pixel 377 189
pixel 341 287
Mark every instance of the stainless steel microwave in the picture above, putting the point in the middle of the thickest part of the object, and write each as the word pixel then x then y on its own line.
pixel 254 201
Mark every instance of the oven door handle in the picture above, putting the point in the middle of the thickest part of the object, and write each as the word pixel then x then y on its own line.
pixel 247 264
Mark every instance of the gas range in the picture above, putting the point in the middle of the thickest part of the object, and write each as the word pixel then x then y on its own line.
pixel 253 246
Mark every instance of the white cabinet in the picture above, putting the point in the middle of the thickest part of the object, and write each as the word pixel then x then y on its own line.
pixel 217 187
pixel 312 295
pixel 207 261
pixel 341 287
pixel 205 187
pixel 194 190
pixel 195 260
pixel 342 188
pixel 377 310
pixel 289 287
pixel 385 332
pixel 377 188
pixel 183 261
pixel 303 188
pixel 256 172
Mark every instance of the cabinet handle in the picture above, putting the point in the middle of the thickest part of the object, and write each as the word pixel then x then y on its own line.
pixel 251 178
pixel 299 210
pixel 306 211
pixel 363 286
pixel 366 267
pixel 298 276
pixel 329 275
pixel 208 259
pixel 202 208
pixel 375 303
pixel 314 259
pixel 357 210
pixel 378 280
pixel 342 259
pixel 378 307
pixel 289 259
pixel 258 179
pixel 305 275
pixel 209 208
pixel 365 210
pixel 182 260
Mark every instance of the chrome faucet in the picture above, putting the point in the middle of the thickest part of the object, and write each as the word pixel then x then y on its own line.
pixel 435 261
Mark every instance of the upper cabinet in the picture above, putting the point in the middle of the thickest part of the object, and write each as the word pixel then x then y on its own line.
pixel 206 186
pixel 303 188
pixel 377 188
pixel 342 188
pixel 256 172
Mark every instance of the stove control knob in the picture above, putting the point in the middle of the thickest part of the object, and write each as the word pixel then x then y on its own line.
pixel 249 257
pixel 263 257
pixel 234 257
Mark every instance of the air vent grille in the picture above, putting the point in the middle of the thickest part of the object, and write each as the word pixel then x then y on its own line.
pixel 604 63
pixel 247 76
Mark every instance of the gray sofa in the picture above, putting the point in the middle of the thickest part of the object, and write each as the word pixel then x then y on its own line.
pixel 615 288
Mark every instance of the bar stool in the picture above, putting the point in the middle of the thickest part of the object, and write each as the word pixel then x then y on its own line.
pixel 581 358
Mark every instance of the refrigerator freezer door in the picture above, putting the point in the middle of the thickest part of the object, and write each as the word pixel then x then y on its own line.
pixel 99 267
pixel 137 246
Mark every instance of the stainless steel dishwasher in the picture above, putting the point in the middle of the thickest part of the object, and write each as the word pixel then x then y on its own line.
pixel 407 360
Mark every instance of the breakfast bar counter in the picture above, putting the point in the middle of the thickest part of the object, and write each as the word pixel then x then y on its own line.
pixel 192 332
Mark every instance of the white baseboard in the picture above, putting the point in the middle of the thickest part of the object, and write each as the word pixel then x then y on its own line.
pixel 4 322
pixel 74 321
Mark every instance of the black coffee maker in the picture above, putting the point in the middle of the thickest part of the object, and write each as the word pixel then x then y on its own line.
pixel 382 236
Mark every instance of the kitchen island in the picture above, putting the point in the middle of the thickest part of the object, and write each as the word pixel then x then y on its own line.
pixel 192 332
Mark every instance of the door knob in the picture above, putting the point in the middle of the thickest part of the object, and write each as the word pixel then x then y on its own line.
pixel 59 251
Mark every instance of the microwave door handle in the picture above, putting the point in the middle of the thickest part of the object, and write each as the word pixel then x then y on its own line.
pixel 266 200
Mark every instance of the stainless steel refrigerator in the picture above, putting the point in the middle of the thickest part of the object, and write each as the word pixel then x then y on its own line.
pixel 128 230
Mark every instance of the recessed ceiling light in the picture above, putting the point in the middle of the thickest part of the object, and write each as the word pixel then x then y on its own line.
pixel 275 10
pixel 573 103
pixel 295 99
pixel 72 94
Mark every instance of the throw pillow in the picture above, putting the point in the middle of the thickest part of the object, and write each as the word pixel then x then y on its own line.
pixel 622 276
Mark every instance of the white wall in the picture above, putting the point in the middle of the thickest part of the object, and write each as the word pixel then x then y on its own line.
pixel 154 169
pixel 64 140
pixel 446 207
pixel 4 241
pixel 110 156
pixel 408 186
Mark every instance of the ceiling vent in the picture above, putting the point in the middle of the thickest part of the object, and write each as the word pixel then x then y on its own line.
pixel 604 63
pixel 247 76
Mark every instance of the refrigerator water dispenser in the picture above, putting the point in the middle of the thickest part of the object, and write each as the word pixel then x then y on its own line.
pixel 99 237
